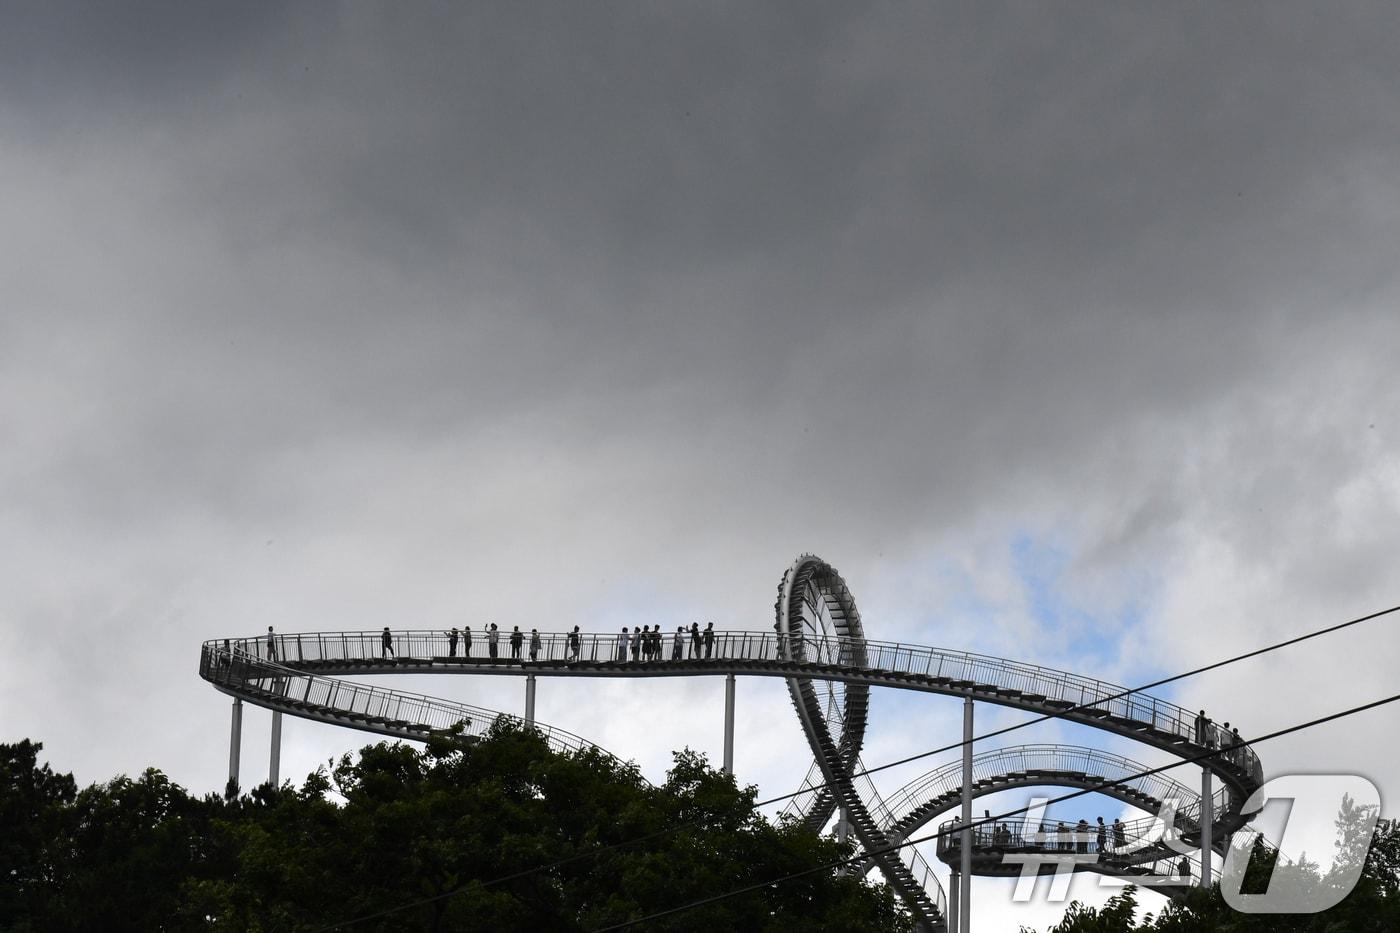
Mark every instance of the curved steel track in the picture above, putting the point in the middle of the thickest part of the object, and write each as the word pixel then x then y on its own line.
pixel 819 647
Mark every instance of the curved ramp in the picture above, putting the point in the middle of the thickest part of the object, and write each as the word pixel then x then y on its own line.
pixel 395 713
pixel 818 646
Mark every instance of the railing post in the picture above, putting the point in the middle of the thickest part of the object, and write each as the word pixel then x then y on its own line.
pixel 965 872
pixel 729 724
pixel 234 743
pixel 274 765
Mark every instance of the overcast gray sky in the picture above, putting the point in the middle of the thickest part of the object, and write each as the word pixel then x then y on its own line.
pixel 1066 333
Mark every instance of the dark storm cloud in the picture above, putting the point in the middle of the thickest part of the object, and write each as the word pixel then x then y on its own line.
pixel 351 313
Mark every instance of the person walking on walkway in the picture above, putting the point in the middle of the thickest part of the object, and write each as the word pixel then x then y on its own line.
pixel 1101 837
pixel 622 645
pixel 466 641
pixel 709 637
pixel 534 644
pixel 678 643
pixel 452 642
pixel 657 642
pixel 386 644
pixel 573 644
pixel 516 640
pixel 1203 729
pixel 271 645
pixel 638 637
pixel 695 639
pixel 493 638
pixel 1120 834
pixel 1081 836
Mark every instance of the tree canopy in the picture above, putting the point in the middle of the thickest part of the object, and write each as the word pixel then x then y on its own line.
pixel 451 837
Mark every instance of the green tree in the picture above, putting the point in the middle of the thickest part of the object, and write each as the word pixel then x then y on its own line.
pixel 448 838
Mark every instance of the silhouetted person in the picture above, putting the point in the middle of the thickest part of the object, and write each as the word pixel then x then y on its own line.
pixel 573 644
pixel 271 645
pixel 386 644
pixel 709 639
pixel 1062 831
pixel 1203 736
pixel 493 638
pixel 678 643
pixel 452 642
pixel 656 640
pixel 1101 835
pixel 695 639
pixel 622 645
pixel 1183 868
pixel 534 644
pixel 1120 834
pixel 638 638
pixel 466 641
pixel 1081 836
pixel 516 640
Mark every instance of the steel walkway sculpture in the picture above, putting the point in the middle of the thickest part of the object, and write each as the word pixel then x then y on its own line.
pixel 818 646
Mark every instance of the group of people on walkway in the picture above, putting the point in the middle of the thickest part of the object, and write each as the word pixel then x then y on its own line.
pixel 1227 739
pixel 645 643
pixel 648 643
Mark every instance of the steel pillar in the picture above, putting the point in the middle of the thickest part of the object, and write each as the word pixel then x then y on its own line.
pixel 530 699
pixel 954 884
pixel 729 724
pixel 843 832
pixel 235 742
pixel 274 765
pixel 965 872
pixel 1207 818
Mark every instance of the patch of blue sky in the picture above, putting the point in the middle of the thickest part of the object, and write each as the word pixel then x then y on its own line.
pixel 1094 635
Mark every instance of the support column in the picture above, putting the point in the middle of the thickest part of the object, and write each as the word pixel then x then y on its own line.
pixel 1207 818
pixel 729 725
pixel 965 872
pixel 529 699
pixel 953 885
pixel 235 742
pixel 274 766
pixel 843 832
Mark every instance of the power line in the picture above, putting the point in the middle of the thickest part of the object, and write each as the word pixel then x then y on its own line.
pixel 1083 706
pixel 829 866
pixel 592 853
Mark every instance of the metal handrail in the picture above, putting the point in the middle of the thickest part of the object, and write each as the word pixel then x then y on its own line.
pixel 833 652
pixel 247 673
pixel 1145 839
pixel 998 764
